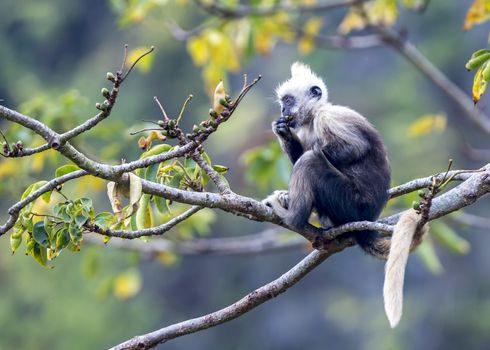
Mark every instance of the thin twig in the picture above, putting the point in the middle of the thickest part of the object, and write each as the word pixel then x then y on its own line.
pixel 414 56
pixel 152 48
pixel 152 231
pixel 270 240
pixel 184 106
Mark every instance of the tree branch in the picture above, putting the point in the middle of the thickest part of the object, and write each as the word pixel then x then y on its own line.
pixel 242 306
pixel 414 56
pixel 152 231
pixel 51 185
pixel 270 240
pixel 240 11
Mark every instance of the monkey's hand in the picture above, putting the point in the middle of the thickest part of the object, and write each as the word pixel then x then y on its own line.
pixel 282 130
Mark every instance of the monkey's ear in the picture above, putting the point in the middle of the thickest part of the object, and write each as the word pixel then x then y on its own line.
pixel 300 69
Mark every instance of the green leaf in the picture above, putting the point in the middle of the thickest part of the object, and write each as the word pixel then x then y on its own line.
pixel 176 179
pixel 151 172
pixel 86 203
pixel 75 234
pixel 40 235
pixel 143 216
pixel 47 196
pixel 449 238
pixel 80 219
pixel 15 241
pixel 206 157
pixel 63 239
pixel 104 220
pixel 221 169
pixel 161 204
pixel 427 254
pixel 33 187
pixel 40 254
pixel 161 148
pixel 66 169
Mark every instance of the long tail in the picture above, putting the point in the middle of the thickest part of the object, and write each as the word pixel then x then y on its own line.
pixel 402 242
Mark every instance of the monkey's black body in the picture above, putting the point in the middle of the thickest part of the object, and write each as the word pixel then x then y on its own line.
pixel 341 182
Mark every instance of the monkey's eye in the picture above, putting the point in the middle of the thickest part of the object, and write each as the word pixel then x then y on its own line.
pixel 288 100
pixel 315 91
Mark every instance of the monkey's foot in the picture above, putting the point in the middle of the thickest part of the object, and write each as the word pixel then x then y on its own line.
pixel 278 200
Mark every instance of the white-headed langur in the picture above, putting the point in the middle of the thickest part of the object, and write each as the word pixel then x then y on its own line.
pixel 340 171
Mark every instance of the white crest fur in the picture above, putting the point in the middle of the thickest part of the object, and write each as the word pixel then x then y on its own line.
pixel 302 78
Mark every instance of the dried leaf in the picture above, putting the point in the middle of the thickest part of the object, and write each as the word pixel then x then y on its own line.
pixel 478 12
pixel 135 192
pixel 115 199
pixel 427 124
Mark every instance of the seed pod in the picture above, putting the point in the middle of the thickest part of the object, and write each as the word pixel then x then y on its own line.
pixel 204 124
pixel 223 102
pixel 171 123
pixel 213 113
pixel 195 128
pixel 416 205
pixel 105 92
pixel 98 106
pixel 111 77
pixel 421 193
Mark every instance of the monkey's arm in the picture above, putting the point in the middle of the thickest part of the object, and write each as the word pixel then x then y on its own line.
pixel 288 139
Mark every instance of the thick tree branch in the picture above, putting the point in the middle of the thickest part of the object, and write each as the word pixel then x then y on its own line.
pixel 247 303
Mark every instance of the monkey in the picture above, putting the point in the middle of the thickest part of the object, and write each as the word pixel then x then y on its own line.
pixel 340 171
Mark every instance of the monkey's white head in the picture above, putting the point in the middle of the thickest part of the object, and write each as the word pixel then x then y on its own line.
pixel 301 94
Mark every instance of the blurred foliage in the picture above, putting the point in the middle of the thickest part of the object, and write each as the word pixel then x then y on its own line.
pixel 46 51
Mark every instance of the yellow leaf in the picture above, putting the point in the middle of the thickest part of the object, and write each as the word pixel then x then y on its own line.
pixel 198 49
pixel 144 64
pixel 212 74
pixel 352 21
pixel 313 26
pixel 306 45
pixel 478 12
pixel 479 84
pixel 263 42
pixel 382 12
pixel 427 124
pixel 127 284
pixel 168 258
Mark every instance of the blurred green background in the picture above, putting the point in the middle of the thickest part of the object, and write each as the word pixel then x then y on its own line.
pixel 100 296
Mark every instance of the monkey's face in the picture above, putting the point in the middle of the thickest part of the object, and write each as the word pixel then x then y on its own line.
pixel 301 95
